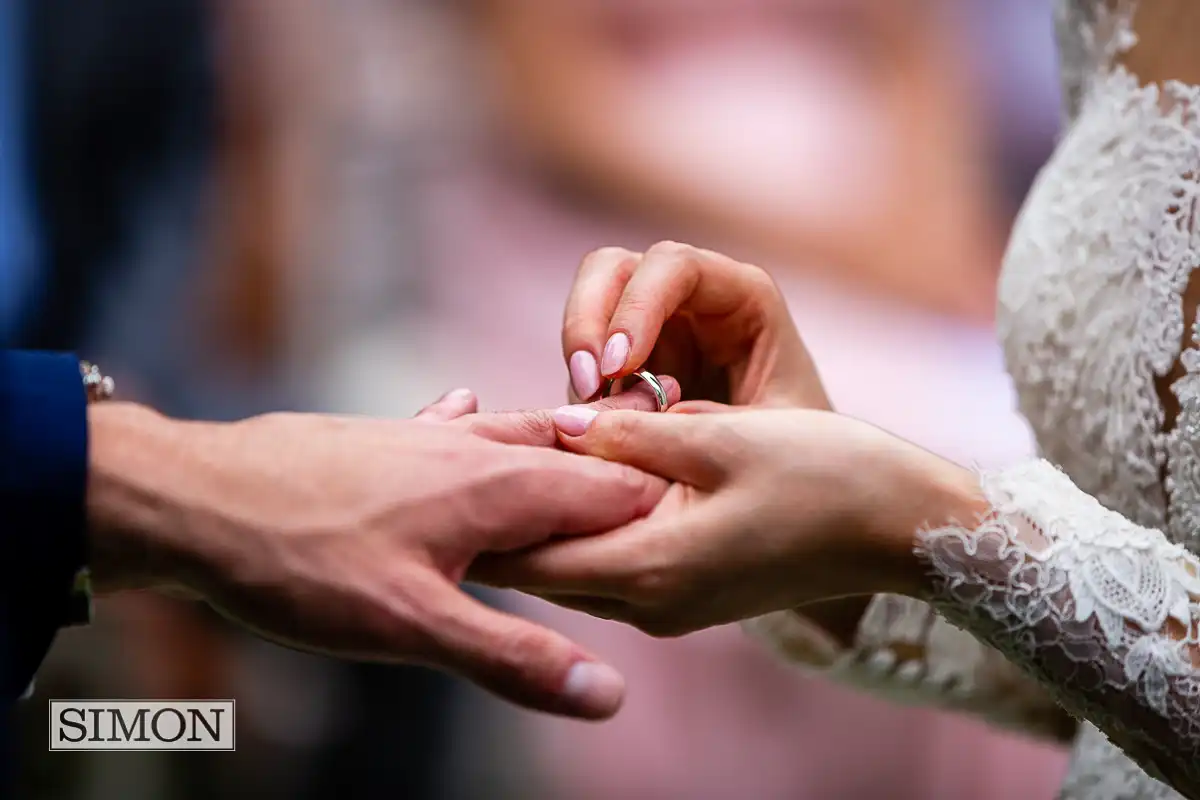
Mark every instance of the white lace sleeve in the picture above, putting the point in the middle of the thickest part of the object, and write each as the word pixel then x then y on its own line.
pixel 906 652
pixel 1101 611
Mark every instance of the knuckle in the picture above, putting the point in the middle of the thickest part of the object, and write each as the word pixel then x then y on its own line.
pixel 524 648
pixel 632 481
pixel 625 486
pixel 765 302
pixel 472 424
pixel 760 281
pixel 675 251
pixel 516 476
pixel 501 498
pixel 636 305
pixel 608 254
pixel 723 442
pixel 616 431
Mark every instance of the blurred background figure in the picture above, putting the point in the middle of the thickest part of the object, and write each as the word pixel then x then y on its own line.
pixel 356 204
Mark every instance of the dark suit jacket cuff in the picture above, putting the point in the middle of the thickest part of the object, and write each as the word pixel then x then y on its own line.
pixel 43 488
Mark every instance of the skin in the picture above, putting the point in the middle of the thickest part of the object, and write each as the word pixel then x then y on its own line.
pixel 769 509
pixel 775 503
pixel 349 536
pixel 721 326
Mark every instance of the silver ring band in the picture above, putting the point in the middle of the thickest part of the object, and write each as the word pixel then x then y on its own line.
pixel 648 378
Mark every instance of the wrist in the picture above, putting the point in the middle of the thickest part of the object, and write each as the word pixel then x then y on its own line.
pixel 915 490
pixel 903 491
pixel 136 458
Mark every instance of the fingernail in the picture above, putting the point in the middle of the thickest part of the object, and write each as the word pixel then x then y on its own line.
pixel 596 687
pixel 616 353
pixel 574 420
pixel 459 395
pixel 585 375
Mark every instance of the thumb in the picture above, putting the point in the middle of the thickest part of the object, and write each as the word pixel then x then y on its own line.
pixel 678 447
pixel 521 661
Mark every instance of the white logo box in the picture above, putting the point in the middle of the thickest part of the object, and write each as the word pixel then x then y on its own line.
pixel 143 725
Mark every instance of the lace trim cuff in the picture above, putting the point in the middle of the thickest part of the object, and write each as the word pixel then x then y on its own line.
pixel 1102 611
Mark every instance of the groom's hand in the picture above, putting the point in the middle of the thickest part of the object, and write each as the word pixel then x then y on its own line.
pixel 350 536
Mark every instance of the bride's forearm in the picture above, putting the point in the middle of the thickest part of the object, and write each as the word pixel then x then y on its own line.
pixel 907 491
pixel 900 647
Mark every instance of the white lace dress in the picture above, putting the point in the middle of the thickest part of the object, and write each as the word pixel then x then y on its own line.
pixel 1088 584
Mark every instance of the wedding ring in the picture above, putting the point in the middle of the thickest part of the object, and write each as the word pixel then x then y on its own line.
pixel 660 394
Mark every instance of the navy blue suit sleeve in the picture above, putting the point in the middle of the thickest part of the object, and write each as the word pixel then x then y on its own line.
pixel 43 488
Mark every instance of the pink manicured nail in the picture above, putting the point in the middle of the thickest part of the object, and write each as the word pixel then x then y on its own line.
pixel 574 420
pixel 597 687
pixel 585 375
pixel 616 353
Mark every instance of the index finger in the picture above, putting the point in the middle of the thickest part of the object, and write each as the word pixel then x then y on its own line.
pixel 674 277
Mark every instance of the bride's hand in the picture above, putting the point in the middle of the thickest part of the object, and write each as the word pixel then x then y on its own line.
pixel 770 510
pixel 720 327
